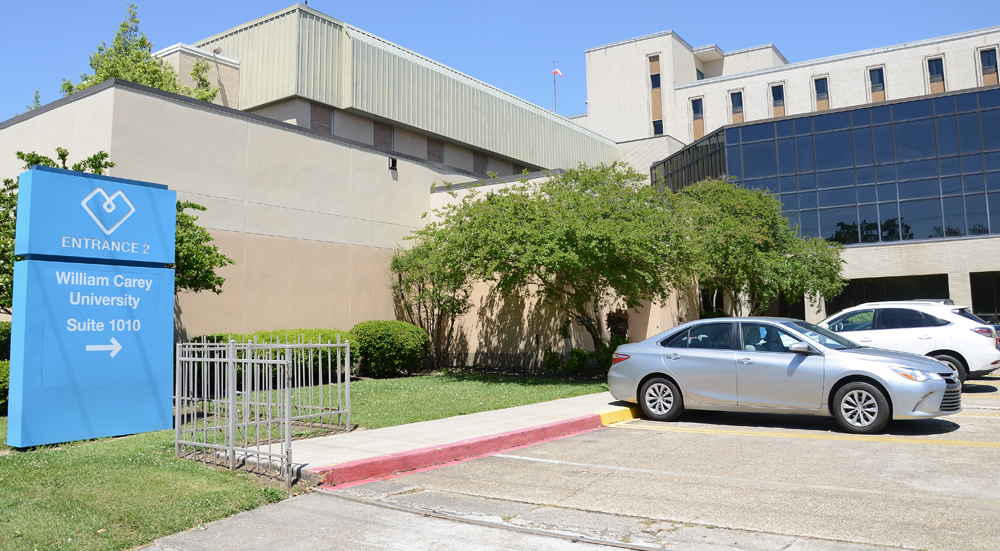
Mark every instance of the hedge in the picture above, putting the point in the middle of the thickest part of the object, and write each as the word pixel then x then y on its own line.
pixel 388 348
pixel 4 385
pixel 4 340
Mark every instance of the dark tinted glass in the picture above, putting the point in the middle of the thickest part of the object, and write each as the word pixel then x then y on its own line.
pixel 807 200
pixel 923 217
pixel 835 178
pixel 803 126
pixel 840 225
pixel 788 184
pixel 988 58
pixel 944 106
pixel 833 121
pixel 793 220
pixel 882 141
pixel 834 150
pixel 789 201
pixel 935 67
pixel 837 197
pixel 880 115
pixel 861 117
pixel 868 225
pixel 786 156
pixel 858 320
pixel 949 165
pixel 989 99
pixel 913 170
pixel 947 136
pixel 696 106
pixel 677 341
pixel 954 216
pixel 804 153
pixel 657 128
pixel 732 136
pixel 912 110
pixel 968 132
pixel 711 335
pixel 899 318
pixel 865 175
pixel 737 99
pixel 966 102
pixel 778 93
pixel 655 80
pixel 951 185
pixel 993 181
pixel 972 163
pixel 821 87
pixel 888 220
pixel 808 223
pixel 994 201
pixel 866 194
pixel 885 173
pixel 759 159
pixel 758 132
pixel 919 188
pixel 863 147
pixel 991 161
pixel 914 140
pixel 887 192
pixel 786 129
pixel 975 214
pixel 807 181
pixel 876 79
pixel 734 160
pixel 991 129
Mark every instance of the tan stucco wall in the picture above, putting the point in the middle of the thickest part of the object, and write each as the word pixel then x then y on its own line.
pixel 353 127
pixel 295 111
pixel 220 74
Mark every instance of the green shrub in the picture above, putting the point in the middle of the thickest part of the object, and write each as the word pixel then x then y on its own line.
pixel 389 348
pixel 604 360
pixel 579 362
pixel 4 385
pixel 551 360
pixel 4 340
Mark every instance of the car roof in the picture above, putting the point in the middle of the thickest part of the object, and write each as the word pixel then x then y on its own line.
pixel 945 303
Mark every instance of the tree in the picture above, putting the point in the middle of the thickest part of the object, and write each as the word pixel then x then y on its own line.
pixel 749 252
pixel 585 240
pixel 130 57
pixel 196 258
pixel 432 284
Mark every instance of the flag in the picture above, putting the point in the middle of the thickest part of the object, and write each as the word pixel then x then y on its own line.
pixel 557 72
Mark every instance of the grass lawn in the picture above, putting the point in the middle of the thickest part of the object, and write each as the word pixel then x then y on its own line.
pixel 117 493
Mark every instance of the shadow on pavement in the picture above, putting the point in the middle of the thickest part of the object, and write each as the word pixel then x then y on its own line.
pixel 978 389
pixel 923 427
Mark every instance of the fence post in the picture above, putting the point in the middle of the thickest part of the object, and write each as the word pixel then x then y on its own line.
pixel 347 373
pixel 288 416
pixel 231 385
pixel 178 401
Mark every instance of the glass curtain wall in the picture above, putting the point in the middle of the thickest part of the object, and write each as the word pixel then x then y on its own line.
pixel 704 159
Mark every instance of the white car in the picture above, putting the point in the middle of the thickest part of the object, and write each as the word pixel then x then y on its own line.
pixel 948 333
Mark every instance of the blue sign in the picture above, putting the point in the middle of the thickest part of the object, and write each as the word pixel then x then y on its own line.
pixel 90 216
pixel 91 341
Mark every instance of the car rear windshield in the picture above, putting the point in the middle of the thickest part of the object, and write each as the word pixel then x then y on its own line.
pixel 965 313
pixel 822 336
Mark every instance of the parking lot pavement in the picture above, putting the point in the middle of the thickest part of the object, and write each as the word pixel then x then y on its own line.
pixel 918 485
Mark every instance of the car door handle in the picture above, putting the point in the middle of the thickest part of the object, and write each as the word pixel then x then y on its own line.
pixel 672 356
pixel 924 337
pixel 745 361
pixel 865 340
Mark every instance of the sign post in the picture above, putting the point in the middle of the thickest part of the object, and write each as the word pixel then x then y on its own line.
pixel 92 328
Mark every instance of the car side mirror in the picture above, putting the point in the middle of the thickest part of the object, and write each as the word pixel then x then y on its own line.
pixel 801 348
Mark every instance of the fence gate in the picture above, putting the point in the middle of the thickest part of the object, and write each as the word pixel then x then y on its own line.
pixel 241 404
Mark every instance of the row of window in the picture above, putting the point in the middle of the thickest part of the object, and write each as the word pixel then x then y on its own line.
pixel 821 88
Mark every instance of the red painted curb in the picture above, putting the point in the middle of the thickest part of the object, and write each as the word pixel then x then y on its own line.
pixel 386 465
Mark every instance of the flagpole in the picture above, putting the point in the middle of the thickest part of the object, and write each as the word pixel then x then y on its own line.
pixel 555 98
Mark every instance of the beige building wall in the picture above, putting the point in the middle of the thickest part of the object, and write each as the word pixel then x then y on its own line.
pixel 641 154
pixel 223 72
pixel 295 111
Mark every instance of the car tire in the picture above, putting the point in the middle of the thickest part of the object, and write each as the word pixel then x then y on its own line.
pixel 661 400
pixel 861 408
pixel 955 364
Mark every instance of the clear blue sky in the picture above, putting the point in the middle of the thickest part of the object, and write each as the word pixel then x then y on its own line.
pixel 509 44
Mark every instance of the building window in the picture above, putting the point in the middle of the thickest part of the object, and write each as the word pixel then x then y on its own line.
pixel 655 80
pixel 658 128
pixel 935 74
pixel 778 100
pixel 822 94
pixel 988 59
pixel 700 75
pixel 655 97
pixel 876 79
pixel 736 99
pixel 697 116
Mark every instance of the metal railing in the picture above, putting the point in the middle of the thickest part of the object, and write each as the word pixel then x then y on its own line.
pixel 240 405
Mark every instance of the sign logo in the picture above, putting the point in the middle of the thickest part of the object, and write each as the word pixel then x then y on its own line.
pixel 110 213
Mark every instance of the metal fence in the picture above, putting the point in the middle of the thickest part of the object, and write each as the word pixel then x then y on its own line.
pixel 241 404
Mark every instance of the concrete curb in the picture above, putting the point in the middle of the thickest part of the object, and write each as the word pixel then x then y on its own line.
pixel 422 458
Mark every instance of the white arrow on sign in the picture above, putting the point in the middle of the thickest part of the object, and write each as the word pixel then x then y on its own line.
pixel 114 347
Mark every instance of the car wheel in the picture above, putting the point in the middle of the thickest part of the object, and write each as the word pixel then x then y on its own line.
pixel 861 408
pixel 661 400
pixel 954 363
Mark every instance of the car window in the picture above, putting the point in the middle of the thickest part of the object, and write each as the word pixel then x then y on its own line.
pixel 677 341
pixel 965 313
pixel 710 335
pixel 759 337
pixel 900 318
pixel 858 320
pixel 822 336
pixel 935 321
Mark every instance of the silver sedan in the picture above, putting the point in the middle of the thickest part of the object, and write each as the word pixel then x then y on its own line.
pixel 778 365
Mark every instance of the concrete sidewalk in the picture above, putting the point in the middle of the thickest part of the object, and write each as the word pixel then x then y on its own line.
pixel 362 455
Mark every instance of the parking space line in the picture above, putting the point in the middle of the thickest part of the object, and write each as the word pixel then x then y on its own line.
pixel 845 437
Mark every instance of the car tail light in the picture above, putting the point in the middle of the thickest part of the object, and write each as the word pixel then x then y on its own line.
pixel 616 358
pixel 985 331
